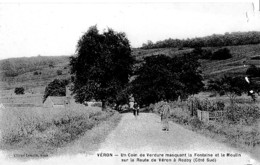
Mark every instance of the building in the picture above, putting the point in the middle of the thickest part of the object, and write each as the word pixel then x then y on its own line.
pixel 56 102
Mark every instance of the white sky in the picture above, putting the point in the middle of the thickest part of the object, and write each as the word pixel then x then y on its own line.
pixel 53 28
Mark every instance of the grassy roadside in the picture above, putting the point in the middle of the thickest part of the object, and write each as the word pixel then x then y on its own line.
pixel 242 136
pixel 90 142
pixel 35 133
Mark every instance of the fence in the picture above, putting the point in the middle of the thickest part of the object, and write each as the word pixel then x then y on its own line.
pixel 208 117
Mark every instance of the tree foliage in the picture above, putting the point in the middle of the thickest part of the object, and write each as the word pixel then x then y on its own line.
pixel 215 40
pixel 221 54
pixel 161 77
pixel 55 88
pixel 102 66
pixel 253 71
pixel 19 90
pixel 230 86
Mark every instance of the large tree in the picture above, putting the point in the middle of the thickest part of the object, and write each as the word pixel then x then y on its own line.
pixel 102 66
pixel 164 78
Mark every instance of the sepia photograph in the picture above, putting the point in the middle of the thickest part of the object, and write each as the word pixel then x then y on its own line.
pixel 141 82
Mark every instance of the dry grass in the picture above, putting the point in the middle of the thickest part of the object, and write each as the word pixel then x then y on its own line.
pixel 43 130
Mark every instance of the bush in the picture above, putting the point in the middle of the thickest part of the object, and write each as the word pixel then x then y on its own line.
pixel 253 71
pixel 97 104
pixel 221 54
pixel 195 123
pixel 195 104
pixel 246 114
pixel 19 90
pixel 59 72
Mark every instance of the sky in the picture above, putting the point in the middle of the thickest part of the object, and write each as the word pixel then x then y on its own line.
pixel 31 28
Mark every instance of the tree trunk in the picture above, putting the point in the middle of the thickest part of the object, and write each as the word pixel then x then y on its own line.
pixel 104 106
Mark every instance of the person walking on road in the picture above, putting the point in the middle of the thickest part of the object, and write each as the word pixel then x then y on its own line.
pixel 165 114
pixel 131 106
pixel 136 107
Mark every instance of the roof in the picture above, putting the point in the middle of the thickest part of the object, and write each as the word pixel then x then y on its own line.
pixel 57 100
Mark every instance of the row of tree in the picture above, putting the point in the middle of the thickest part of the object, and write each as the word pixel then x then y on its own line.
pixel 228 39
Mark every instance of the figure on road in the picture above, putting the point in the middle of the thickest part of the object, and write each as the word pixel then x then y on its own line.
pixel 131 106
pixel 136 107
pixel 165 114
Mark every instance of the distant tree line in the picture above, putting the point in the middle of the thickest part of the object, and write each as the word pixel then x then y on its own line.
pixel 215 40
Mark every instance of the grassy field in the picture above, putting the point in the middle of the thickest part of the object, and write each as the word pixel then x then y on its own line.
pixel 43 131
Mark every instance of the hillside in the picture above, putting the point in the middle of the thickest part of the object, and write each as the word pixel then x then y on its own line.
pixel 32 73
pixel 35 73
pixel 236 65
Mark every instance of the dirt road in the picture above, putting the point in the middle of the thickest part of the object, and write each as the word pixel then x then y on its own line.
pixel 143 135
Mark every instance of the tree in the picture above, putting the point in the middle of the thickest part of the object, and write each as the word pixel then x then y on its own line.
pixel 19 90
pixel 102 66
pixel 164 78
pixel 56 88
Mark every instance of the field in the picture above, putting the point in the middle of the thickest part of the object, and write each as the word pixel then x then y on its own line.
pixel 41 130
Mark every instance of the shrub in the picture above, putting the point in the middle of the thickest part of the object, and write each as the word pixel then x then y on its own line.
pixel 204 105
pixel 19 90
pixel 195 123
pixel 35 73
pixel 253 71
pixel 59 72
pixel 221 54
pixel 246 114
pixel 97 104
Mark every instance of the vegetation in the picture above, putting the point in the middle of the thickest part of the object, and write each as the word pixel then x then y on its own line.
pixel 238 128
pixel 19 90
pixel 195 104
pixel 253 71
pixel 231 86
pixel 43 130
pixel 102 66
pixel 56 88
pixel 59 72
pixel 161 77
pixel 221 54
pixel 14 67
pixel 228 39
pixel 246 114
